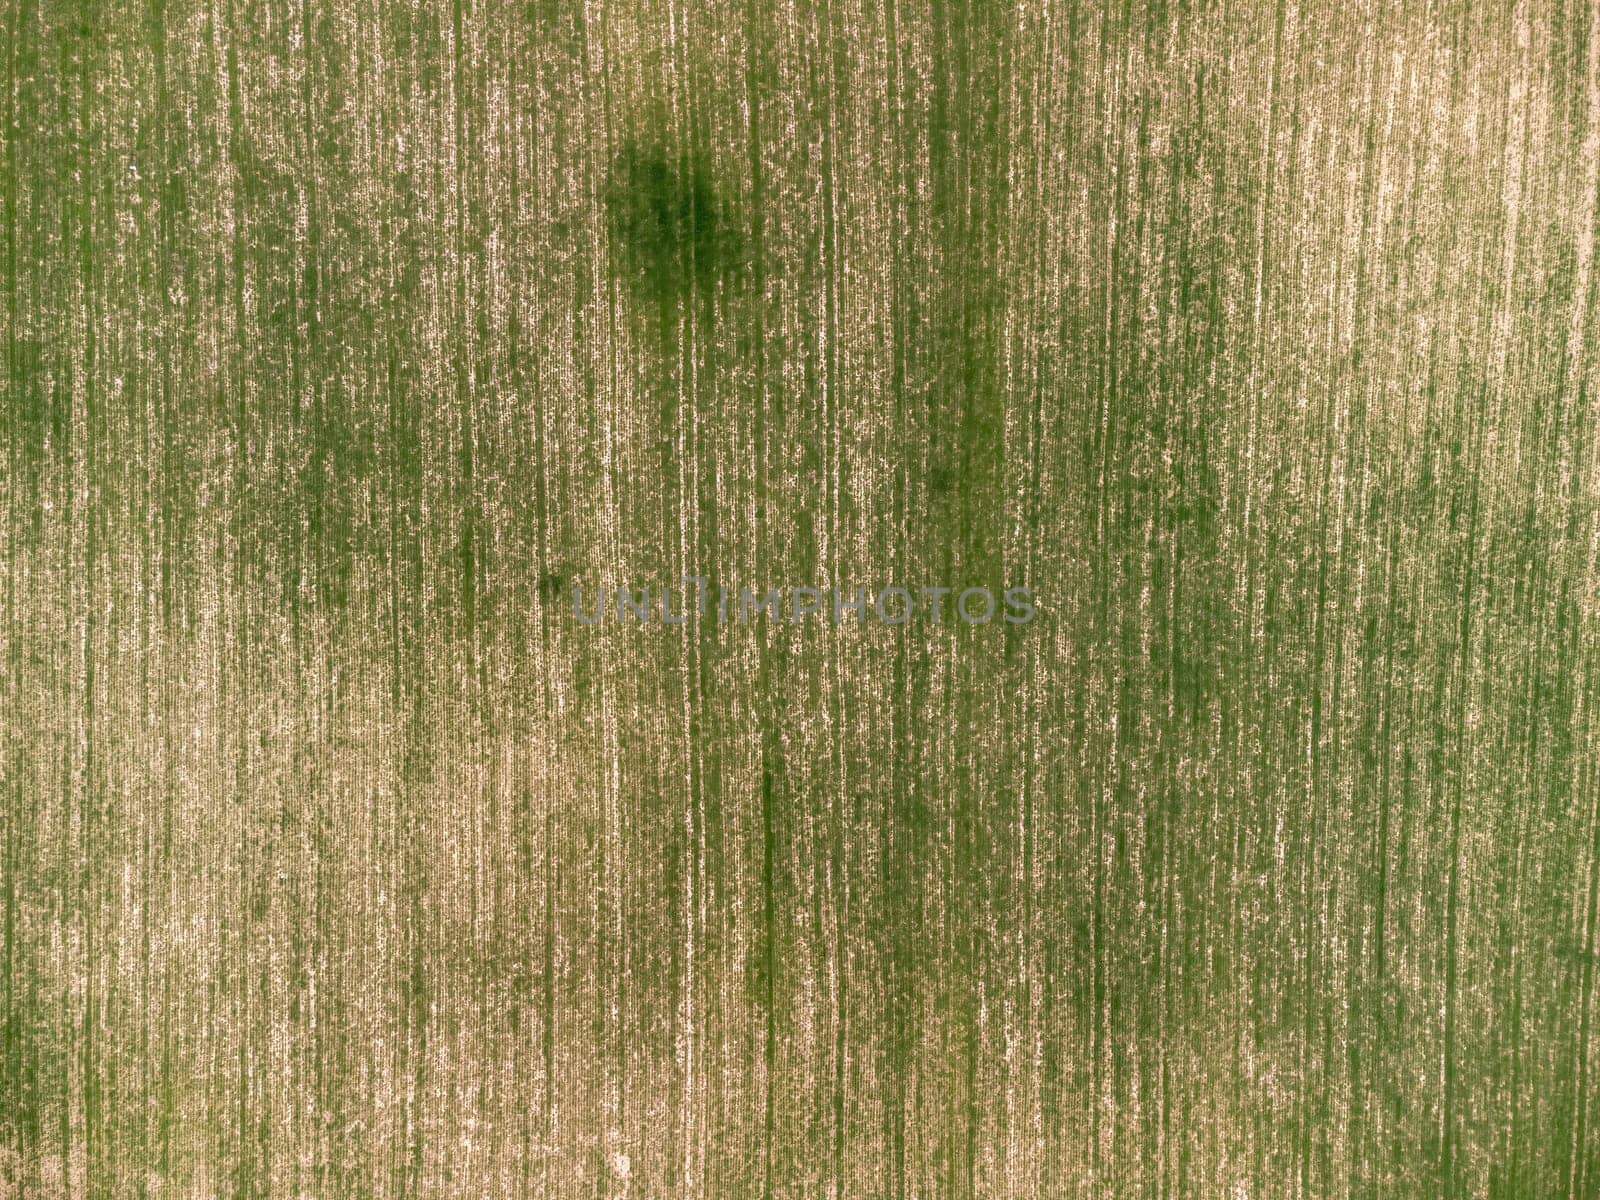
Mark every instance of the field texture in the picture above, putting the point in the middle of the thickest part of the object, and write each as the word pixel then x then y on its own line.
pixel 345 339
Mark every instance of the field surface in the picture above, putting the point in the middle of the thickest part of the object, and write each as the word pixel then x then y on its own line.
pixel 347 343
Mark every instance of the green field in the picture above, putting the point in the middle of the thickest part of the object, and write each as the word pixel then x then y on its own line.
pixel 344 339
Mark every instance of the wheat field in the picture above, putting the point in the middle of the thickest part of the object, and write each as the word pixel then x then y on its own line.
pixel 352 346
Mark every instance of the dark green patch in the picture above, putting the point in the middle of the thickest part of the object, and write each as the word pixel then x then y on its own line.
pixel 551 586
pixel 668 229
